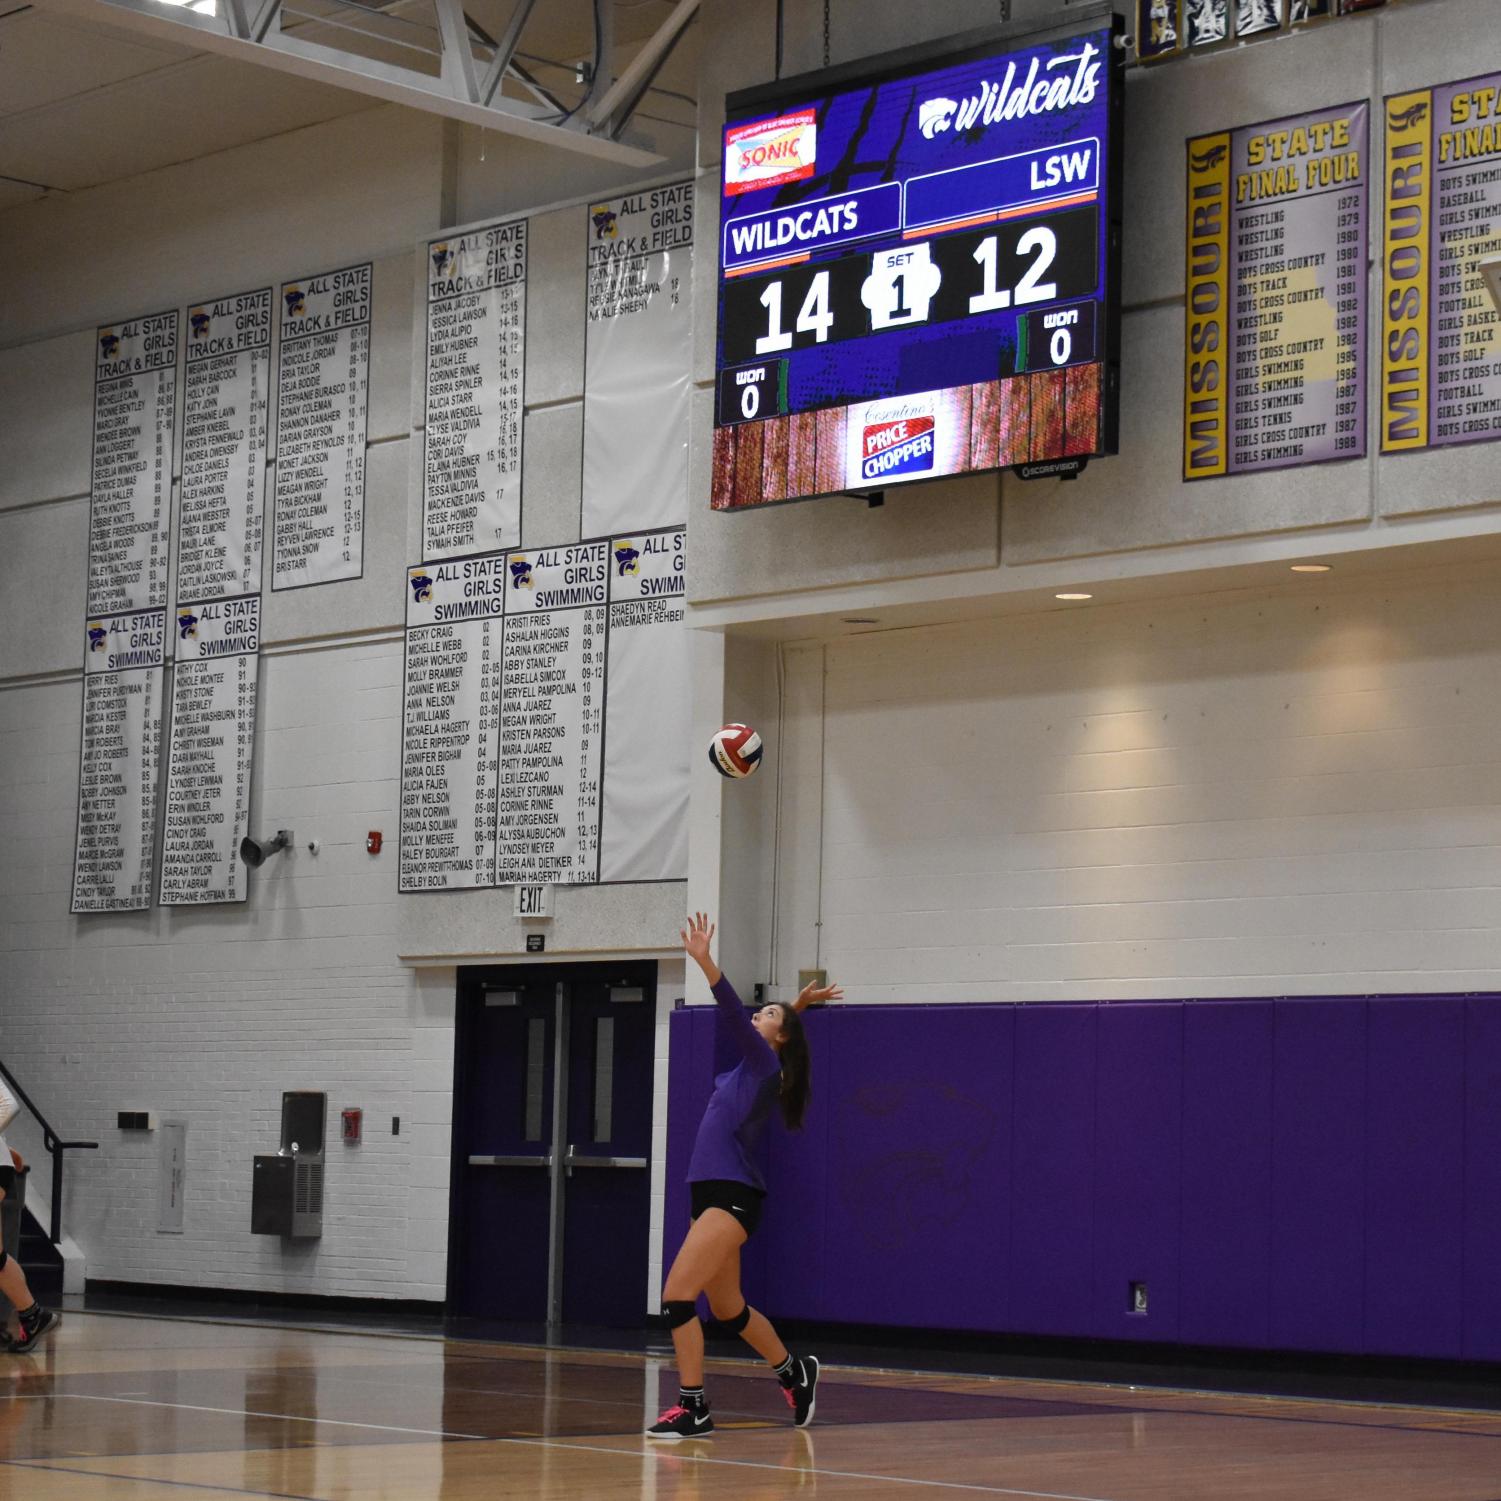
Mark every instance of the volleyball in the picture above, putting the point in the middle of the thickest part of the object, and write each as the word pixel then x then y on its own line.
pixel 735 750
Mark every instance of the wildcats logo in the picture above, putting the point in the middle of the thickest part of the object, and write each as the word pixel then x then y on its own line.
pixel 627 559
pixel 889 450
pixel 422 587
pixel 109 343
pixel 201 323
pixel 766 153
pixel 521 574
pixel 187 626
pixel 98 636
pixel 296 303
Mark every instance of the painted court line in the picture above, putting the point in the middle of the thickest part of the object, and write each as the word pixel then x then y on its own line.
pixel 47 1467
pixel 547 1443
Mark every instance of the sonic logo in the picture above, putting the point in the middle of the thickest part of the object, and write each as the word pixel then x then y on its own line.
pixel 604 224
pixel 422 587
pixel 98 636
pixel 1414 114
pixel 443 260
pixel 627 559
pixel 200 322
pixel 766 153
pixel 900 447
pixel 1204 161
pixel 934 116
pixel 109 343
pixel 187 626
pixel 521 574
pixel 296 303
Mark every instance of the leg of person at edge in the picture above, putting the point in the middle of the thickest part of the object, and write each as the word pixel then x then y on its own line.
pixel 728 1192
pixel 34 1321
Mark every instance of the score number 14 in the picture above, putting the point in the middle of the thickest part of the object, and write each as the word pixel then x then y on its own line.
pixel 902 284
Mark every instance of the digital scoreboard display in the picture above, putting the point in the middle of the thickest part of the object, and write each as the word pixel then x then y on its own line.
pixel 919 267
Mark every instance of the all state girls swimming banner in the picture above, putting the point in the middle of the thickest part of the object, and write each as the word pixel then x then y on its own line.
pixel 1441 333
pixel 919 267
pixel 1275 357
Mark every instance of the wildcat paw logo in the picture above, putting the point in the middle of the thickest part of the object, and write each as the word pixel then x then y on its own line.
pixel 109 343
pixel 521 573
pixel 934 116
pixel 893 450
pixel 444 260
pixel 605 227
pixel 296 303
pixel 200 322
pixel 627 559
pixel 1204 161
pixel 422 587
pixel 187 626
pixel 1414 114
pixel 98 636
pixel 766 153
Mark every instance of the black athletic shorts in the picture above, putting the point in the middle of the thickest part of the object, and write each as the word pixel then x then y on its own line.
pixel 8 1180
pixel 738 1199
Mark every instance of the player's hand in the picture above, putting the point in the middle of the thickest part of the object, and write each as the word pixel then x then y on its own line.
pixel 816 995
pixel 696 938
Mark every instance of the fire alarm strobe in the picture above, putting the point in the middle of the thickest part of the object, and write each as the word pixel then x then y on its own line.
pixel 372 842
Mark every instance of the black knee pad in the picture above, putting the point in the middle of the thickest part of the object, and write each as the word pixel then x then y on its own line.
pixel 737 1324
pixel 679 1311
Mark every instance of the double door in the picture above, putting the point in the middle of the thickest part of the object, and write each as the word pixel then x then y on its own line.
pixel 551 1203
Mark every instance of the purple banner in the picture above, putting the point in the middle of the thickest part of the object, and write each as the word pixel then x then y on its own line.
pixel 1300 195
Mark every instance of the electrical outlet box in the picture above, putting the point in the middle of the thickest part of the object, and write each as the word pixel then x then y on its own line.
pixel 135 1120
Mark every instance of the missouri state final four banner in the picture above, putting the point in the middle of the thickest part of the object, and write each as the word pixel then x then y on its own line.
pixel 919 267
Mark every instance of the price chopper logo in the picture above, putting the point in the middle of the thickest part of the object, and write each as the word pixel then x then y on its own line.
pixel 443 259
pixel 521 574
pixel 422 587
pixel 200 321
pixel 627 558
pixel 109 343
pixel 187 626
pixel 898 445
pixel 1042 90
pixel 766 153
pixel 98 636
pixel 604 223
pixel 296 305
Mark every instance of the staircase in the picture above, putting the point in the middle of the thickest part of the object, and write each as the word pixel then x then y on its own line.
pixel 41 1260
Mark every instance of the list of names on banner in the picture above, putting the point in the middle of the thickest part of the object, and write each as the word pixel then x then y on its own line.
pixel 644 820
pixel 451 723
pixel 322 406
pixel 637 361
pixel 130 486
pixel 209 751
pixel 476 359
pixel 221 507
pixel 122 725
pixel 552 720
pixel 1296 288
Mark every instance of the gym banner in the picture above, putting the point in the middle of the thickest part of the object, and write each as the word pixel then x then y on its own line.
pixel 474 393
pixel 450 733
pixel 1277 294
pixel 121 740
pixel 644 815
pixel 130 479
pixel 227 390
pixel 638 353
pixel 1441 344
pixel 209 750
pixel 322 424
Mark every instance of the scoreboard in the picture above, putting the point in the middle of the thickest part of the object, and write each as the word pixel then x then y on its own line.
pixel 919 267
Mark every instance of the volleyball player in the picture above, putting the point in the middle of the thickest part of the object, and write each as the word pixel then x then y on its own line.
pixel 728 1192
pixel 34 1320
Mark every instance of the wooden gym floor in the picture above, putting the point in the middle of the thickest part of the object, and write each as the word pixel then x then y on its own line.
pixel 136 1408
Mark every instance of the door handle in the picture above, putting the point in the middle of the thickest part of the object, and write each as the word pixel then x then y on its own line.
pixel 572 1159
pixel 516 1161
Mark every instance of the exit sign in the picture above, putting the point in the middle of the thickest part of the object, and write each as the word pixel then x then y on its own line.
pixel 534 901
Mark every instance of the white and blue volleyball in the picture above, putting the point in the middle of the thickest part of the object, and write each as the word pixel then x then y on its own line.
pixel 735 750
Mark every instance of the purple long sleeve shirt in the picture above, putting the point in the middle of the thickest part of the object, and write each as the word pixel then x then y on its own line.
pixel 742 1099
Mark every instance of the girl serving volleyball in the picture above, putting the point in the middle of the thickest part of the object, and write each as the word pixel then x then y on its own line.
pixel 728 1192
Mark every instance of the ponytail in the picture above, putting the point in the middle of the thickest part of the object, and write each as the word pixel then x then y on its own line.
pixel 796 1070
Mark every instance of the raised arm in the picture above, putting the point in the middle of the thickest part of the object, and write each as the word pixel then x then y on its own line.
pixel 816 995
pixel 733 1017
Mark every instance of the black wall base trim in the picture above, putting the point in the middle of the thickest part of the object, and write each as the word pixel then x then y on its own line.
pixel 244 1297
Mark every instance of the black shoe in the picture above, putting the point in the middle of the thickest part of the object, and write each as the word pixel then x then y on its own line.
pixel 31 1332
pixel 682 1422
pixel 802 1395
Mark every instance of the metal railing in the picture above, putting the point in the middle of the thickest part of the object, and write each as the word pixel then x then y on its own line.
pixel 56 1146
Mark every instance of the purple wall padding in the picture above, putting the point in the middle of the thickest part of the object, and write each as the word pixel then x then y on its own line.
pixel 1318 1175
pixel 1414 1188
pixel 919 1145
pixel 1482 1180
pixel 690 1081
pixel 1138 1169
pixel 1227 1173
pixel 1052 1171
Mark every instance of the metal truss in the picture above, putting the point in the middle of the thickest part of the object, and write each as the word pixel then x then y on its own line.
pixel 470 66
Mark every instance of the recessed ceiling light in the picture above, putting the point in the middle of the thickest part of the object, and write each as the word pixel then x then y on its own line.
pixel 1073 596
pixel 1312 567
